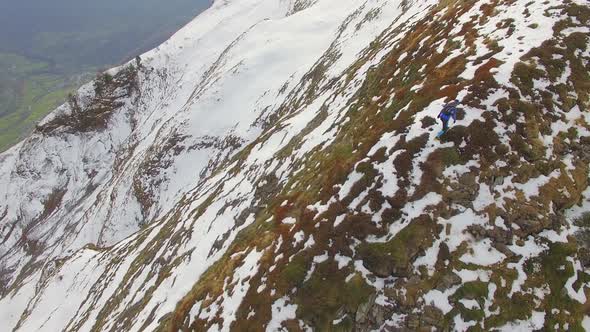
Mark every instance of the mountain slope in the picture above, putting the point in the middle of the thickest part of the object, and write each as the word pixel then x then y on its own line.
pixel 274 165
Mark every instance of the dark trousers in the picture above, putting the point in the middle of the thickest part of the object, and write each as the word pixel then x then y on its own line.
pixel 445 124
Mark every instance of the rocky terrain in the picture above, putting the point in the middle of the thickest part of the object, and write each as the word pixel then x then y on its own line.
pixel 273 167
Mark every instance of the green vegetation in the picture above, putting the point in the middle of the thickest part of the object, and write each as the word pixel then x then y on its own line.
pixel 394 257
pixel 295 271
pixel 450 156
pixel 474 290
pixel 29 90
pixel 325 295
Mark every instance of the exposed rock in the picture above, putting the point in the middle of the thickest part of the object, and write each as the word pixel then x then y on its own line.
pixel 499 235
pixel 428 122
pixel 528 219
pixel 531 226
pixel 477 231
pixel 413 322
pixel 420 322
pixel 468 180
pixel 383 266
pixel 405 293
pixel 501 247
pixel 371 316
pixel 582 150
pixel 447 281
pixel 362 313
pixel 496 234
pixel 431 316
pixel 380 314
pixel 394 258
pixel 584 256
pixel 443 257
pixel 397 329
pixel 557 220
pixel 465 191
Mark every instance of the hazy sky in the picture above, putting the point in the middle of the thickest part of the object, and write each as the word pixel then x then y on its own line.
pixel 95 30
pixel 52 14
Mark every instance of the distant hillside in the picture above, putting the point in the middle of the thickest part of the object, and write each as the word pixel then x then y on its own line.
pixel 48 49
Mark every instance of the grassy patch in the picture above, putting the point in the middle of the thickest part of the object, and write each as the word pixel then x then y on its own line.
pixel 326 294
pixel 394 257
pixel 37 97
pixel 295 271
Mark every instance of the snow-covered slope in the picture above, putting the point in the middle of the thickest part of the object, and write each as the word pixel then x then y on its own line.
pixel 273 166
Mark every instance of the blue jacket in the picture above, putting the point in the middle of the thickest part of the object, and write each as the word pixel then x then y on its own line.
pixel 449 111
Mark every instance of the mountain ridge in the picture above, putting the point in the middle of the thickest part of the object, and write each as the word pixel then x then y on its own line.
pixel 328 205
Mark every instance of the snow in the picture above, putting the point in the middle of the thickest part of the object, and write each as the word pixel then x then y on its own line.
pixel 309 243
pixel 469 304
pixel 531 188
pixel 455 171
pixel 432 111
pixel 231 302
pixel 377 283
pixel 512 46
pixel 281 311
pixel 389 173
pixel 353 178
pixel 458 224
pixel 461 325
pixel 342 261
pixel 484 198
pixel 579 295
pixel 499 222
pixel 429 259
pixel 555 237
pixel 411 211
pixel 218 81
pixel 339 220
pixel 204 36
pixel 528 250
pixel 298 238
pixel 489 302
pixel 440 299
pixel 289 221
pixel 339 320
pixel 536 322
pixel 321 258
pixel 473 275
pixel 415 209
pixel 388 140
pixel 483 254
pixel 18 301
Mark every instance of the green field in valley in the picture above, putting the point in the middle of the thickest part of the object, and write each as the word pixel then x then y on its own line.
pixel 29 89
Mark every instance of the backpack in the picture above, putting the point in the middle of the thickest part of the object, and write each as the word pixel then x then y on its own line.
pixel 449 109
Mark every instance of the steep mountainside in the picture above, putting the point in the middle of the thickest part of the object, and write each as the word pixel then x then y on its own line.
pixel 273 167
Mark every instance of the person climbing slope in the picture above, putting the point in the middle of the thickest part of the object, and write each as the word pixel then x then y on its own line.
pixel 449 111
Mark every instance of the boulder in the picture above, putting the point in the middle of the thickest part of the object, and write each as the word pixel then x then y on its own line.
pixel 431 316
pixel 371 316
pixel 447 281
pixel 362 312
pixel 413 322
